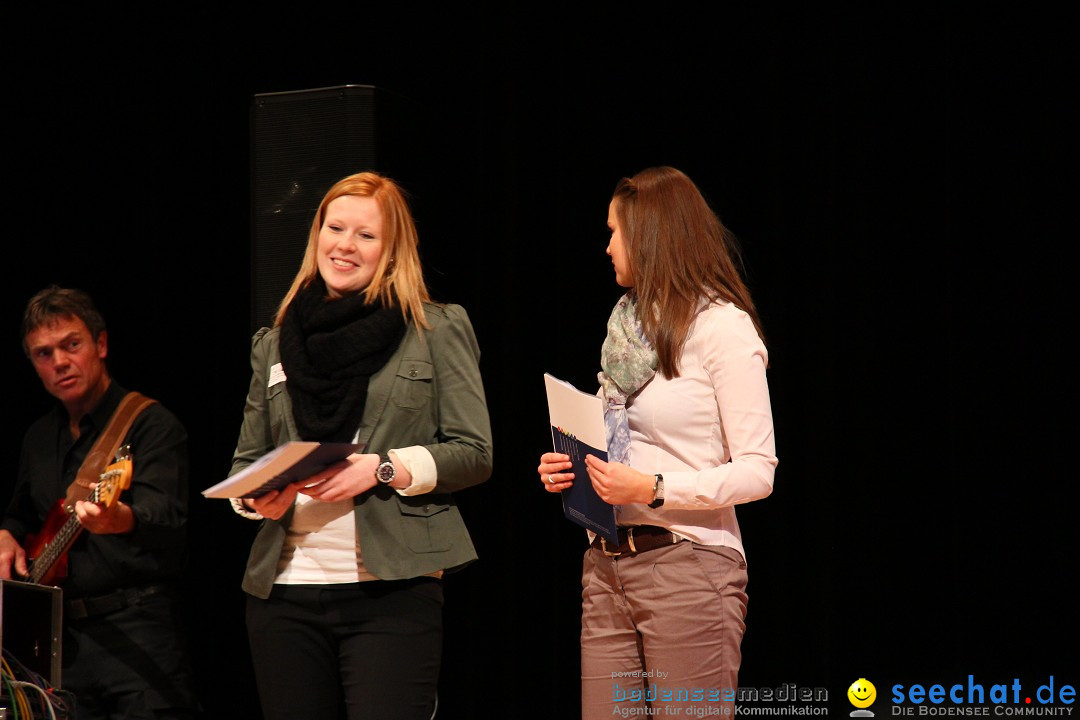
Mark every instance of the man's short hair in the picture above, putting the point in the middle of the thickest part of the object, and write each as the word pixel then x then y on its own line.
pixel 56 302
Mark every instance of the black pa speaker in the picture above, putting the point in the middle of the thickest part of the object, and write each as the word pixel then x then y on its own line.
pixel 303 142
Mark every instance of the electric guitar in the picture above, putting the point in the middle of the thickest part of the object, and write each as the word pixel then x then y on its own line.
pixel 47 550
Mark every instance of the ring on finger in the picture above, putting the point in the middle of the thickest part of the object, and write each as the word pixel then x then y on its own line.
pixel 551 479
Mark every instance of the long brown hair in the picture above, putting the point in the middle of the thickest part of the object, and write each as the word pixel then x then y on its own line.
pixel 399 277
pixel 679 253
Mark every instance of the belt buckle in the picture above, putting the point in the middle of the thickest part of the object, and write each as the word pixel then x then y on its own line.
pixel 629 541
pixel 76 609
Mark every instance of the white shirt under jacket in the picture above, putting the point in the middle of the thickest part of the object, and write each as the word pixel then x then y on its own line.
pixel 709 432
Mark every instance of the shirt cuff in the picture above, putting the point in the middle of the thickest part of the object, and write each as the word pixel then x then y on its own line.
pixel 421 465
pixel 239 509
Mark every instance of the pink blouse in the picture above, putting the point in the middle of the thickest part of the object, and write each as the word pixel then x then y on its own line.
pixel 708 431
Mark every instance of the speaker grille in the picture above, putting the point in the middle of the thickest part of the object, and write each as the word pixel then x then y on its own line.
pixel 303 142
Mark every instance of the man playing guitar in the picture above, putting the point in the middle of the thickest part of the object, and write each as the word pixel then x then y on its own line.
pixel 124 649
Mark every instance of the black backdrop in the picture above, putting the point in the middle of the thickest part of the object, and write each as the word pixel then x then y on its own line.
pixel 898 181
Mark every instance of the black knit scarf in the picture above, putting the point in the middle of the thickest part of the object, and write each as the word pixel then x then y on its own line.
pixel 329 349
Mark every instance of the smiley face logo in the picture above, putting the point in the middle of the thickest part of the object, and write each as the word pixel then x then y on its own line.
pixel 862 693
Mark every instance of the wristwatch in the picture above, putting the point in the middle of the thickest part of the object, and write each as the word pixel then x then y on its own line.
pixel 658 492
pixel 385 472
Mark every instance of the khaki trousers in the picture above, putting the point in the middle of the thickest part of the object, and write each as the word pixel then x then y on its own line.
pixel 661 631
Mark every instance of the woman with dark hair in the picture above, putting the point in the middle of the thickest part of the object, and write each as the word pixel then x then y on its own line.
pixel 344 608
pixel 690 436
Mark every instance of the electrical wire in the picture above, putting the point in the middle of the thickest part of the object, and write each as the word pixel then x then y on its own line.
pixel 21 709
pixel 18 700
pixel 16 695
pixel 48 698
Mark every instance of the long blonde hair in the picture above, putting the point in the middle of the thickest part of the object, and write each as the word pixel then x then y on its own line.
pixel 399 277
pixel 679 252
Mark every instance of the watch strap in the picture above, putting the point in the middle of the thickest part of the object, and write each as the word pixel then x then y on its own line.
pixel 658 492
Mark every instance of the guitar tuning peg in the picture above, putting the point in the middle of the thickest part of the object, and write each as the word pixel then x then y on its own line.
pixel 123 453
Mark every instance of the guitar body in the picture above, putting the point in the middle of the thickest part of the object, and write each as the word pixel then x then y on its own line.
pixel 47 551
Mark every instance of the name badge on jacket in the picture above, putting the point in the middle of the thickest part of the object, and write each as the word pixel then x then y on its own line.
pixel 277 375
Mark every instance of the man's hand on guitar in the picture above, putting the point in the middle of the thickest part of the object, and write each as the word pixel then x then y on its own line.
pixel 11 552
pixel 105 519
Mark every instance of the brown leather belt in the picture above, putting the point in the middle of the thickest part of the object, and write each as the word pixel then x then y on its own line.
pixel 637 539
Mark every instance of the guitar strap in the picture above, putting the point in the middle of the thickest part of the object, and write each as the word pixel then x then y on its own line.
pixel 108 443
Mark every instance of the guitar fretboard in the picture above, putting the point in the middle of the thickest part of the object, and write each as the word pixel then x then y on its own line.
pixel 66 535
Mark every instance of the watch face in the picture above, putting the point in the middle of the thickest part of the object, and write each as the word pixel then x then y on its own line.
pixel 385 472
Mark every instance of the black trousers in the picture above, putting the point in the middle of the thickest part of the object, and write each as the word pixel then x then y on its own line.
pixel 359 650
pixel 131 663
